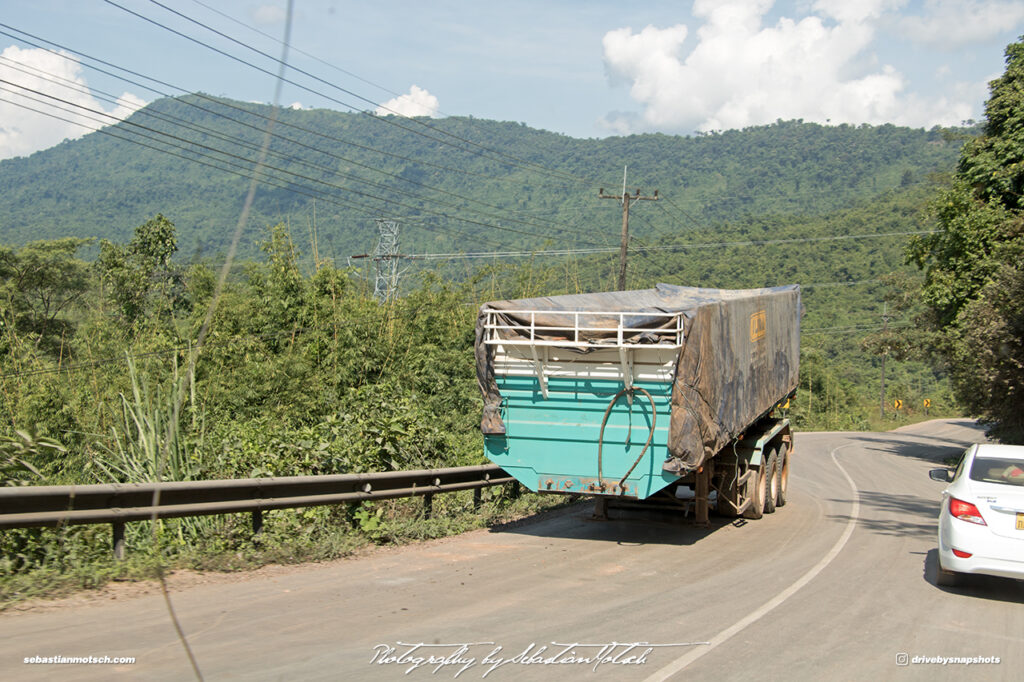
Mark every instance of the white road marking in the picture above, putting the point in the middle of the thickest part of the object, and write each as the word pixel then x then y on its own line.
pixel 680 663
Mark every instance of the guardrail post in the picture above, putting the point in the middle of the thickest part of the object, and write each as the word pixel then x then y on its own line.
pixel 476 498
pixel 257 523
pixel 514 490
pixel 428 505
pixel 117 528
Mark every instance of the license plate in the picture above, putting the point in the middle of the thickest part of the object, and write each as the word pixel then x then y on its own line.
pixel 1020 521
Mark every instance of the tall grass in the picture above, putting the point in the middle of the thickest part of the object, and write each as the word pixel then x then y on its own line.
pixel 151 445
pixel 149 442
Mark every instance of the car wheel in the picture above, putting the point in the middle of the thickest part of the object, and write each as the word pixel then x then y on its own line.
pixel 771 482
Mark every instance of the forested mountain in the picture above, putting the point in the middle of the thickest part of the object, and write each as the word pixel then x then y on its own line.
pixel 458 183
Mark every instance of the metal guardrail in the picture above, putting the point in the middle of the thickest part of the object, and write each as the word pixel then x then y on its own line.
pixel 118 503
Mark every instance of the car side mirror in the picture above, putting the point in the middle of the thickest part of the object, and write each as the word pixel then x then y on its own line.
pixel 944 475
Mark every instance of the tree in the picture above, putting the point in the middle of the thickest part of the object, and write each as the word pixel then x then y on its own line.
pixel 141 273
pixel 39 283
pixel 974 287
pixel 279 284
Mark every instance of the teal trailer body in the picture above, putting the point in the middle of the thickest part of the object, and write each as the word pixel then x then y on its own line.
pixel 551 443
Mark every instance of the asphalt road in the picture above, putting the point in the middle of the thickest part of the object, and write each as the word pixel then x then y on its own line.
pixel 839 584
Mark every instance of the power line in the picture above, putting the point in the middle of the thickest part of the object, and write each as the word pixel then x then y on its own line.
pixel 398 177
pixel 460 255
pixel 295 49
pixel 512 160
pixel 219 102
pixel 664 248
pixel 239 141
pixel 687 215
pixel 242 170
pixel 431 188
pixel 277 169
pixel 147 112
pixel 417 121
pixel 241 173
pixel 684 213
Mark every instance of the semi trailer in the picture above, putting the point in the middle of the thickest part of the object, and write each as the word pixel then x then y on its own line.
pixel 630 395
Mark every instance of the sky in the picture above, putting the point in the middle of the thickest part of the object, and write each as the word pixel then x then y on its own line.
pixel 583 68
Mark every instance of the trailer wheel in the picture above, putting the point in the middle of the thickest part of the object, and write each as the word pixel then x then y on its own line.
pixel 756 489
pixel 780 499
pixel 771 481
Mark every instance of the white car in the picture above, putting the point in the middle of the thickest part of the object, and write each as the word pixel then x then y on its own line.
pixel 981 524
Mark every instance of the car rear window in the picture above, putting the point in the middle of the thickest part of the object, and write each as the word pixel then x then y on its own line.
pixel 991 470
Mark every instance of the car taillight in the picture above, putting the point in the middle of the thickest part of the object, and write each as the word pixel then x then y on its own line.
pixel 965 511
pixel 962 554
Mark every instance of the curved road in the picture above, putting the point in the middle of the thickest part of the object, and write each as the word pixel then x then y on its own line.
pixel 839 584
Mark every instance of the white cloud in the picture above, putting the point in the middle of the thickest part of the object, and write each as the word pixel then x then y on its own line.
pixel 856 10
pixel 22 131
pixel 418 102
pixel 269 15
pixel 951 24
pixel 128 104
pixel 737 72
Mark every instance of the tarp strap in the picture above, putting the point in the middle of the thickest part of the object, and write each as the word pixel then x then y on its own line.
pixel 600 438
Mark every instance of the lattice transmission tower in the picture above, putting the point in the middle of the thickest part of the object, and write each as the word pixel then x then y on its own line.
pixel 385 260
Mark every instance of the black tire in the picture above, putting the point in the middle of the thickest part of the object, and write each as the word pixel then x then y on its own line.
pixel 771 482
pixel 780 498
pixel 756 486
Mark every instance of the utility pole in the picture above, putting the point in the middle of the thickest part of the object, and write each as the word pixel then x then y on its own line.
pixel 885 328
pixel 626 200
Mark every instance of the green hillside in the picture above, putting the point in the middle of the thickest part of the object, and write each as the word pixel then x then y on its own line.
pixel 461 184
